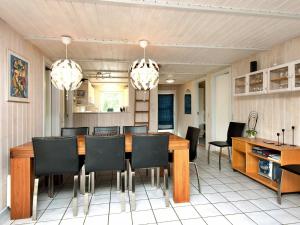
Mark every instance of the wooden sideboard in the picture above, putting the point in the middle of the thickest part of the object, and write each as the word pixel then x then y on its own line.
pixel 246 162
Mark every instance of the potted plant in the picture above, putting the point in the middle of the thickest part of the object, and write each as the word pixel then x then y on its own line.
pixel 251 133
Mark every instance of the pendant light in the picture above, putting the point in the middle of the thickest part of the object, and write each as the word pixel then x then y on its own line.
pixel 144 75
pixel 66 74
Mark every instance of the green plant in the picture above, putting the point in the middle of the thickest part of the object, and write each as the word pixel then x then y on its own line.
pixel 251 133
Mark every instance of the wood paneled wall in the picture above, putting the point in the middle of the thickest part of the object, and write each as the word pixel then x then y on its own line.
pixel 118 119
pixel 276 111
pixel 19 121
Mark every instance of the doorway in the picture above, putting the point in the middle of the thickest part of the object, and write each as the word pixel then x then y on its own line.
pixel 201 113
pixel 166 112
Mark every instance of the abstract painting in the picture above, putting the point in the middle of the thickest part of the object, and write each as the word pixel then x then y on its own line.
pixel 18 78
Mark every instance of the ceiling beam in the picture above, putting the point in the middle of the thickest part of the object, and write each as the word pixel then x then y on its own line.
pixel 209 8
pixel 159 62
pixel 151 44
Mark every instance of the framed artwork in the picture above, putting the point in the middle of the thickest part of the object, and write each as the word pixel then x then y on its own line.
pixel 18 72
pixel 187 104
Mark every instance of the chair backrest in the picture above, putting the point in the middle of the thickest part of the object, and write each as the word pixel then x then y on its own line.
pixel 150 151
pixel 135 129
pixel 74 131
pixel 234 130
pixel 106 131
pixel 104 153
pixel 55 155
pixel 192 135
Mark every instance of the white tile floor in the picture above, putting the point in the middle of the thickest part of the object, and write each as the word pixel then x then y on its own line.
pixel 227 198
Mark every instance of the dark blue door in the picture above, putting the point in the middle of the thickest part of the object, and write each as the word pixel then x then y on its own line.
pixel 165 112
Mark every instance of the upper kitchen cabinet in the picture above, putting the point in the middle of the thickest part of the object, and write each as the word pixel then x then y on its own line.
pixel 257 82
pixel 280 78
pixel 240 86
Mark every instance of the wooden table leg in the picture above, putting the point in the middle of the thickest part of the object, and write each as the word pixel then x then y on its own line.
pixel 21 170
pixel 181 176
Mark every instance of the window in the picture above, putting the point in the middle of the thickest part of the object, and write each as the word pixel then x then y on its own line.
pixel 111 101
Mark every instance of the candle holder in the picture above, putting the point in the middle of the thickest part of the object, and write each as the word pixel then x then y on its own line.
pixel 293 136
pixel 278 143
pixel 283 136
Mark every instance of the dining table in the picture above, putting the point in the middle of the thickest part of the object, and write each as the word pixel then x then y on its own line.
pixel 22 173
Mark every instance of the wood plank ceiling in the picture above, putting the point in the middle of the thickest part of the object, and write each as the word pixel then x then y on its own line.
pixel 188 38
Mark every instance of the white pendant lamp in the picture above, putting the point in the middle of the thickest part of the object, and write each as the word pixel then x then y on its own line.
pixel 144 74
pixel 66 74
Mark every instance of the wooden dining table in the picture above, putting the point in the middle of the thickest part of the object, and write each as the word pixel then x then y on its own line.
pixel 22 173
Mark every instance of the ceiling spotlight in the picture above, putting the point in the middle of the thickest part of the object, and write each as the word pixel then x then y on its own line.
pixel 170 80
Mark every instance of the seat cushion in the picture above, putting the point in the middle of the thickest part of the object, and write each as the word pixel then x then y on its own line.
pixel 220 144
pixel 292 168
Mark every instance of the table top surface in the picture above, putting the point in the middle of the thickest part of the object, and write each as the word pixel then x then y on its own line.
pixel 26 150
pixel 267 143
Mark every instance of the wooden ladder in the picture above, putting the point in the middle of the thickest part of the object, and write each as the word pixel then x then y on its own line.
pixel 142 108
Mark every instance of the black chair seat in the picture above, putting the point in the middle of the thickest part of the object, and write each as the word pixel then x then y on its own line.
pixel 292 168
pixel 220 144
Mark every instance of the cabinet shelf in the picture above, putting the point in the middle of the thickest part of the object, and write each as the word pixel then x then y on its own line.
pixel 267 182
pixel 263 157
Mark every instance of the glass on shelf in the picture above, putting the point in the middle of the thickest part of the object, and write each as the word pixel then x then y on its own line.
pixel 256 82
pixel 297 75
pixel 240 85
pixel 279 78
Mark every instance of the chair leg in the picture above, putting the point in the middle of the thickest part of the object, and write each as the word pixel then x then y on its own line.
pixel 50 186
pixel 166 187
pixel 132 200
pixel 34 199
pixel 86 195
pixel 208 154
pixel 92 188
pixel 229 154
pixel 129 178
pixel 279 189
pixel 127 170
pixel 152 177
pixel 82 180
pixel 220 155
pixel 157 177
pixel 123 206
pixel 118 180
pixel 89 183
pixel 75 199
pixel 197 172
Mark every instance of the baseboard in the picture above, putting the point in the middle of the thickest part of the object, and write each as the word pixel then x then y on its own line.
pixel 4 215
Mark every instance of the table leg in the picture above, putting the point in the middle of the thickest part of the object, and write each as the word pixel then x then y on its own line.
pixel 181 176
pixel 21 171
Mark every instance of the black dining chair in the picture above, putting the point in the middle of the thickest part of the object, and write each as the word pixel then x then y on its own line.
pixel 52 156
pixel 75 131
pixel 192 135
pixel 135 129
pixel 295 169
pixel 234 130
pixel 105 153
pixel 149 151
pixel 106 131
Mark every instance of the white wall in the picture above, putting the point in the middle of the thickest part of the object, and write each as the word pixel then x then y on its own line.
pixel 19 121
pixel 222 115
pixel 275 111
